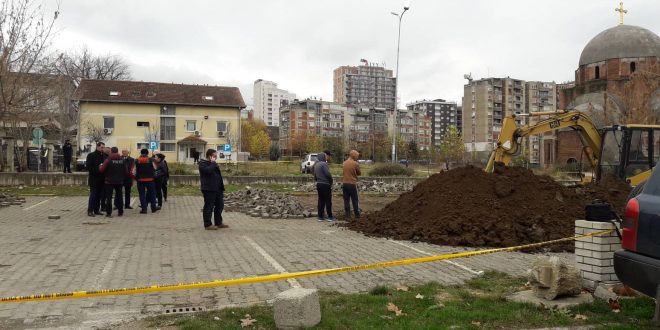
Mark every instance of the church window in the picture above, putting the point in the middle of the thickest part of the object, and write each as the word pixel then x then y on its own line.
pixel 597 76
pixel 633 66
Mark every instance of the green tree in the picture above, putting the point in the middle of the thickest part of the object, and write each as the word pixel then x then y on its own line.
pixel 452 148
pixel 336 146
pixel 413 151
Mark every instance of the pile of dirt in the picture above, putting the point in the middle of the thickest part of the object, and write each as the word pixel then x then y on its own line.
pixel 469 207
pixel 611 190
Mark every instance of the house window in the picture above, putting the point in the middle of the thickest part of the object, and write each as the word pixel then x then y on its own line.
pixel 141 146
pixel 167 110
pixel 597 72
pixel 208 98
pixel 142 124
pixel 191 125
pixel 167 128
pixel 221 126
pixel 171 147
pixel 108 122
pixel 633 67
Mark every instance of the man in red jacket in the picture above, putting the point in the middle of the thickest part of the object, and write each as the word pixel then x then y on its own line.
pixel 114 168
pixel 144 171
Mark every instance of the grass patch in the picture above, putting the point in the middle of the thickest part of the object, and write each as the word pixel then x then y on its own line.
pixel 391 170
pixel 478 304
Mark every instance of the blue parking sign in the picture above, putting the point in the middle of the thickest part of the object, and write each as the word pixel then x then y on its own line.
pixel 227 148
pixel 153 145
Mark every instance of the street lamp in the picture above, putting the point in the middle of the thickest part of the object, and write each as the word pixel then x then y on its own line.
pixel 396 86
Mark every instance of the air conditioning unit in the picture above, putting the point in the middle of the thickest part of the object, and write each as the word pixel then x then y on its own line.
pixel 107 131
pixel 222 133
pixel 198 133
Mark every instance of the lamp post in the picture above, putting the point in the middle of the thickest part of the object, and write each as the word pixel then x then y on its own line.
pixel 396 86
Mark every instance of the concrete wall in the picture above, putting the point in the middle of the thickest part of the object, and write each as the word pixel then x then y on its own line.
pixel 51 179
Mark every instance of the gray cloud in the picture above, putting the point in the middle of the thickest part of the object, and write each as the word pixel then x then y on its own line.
pixel 298 43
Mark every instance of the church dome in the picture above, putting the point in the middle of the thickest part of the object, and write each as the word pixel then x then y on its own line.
pixel 621 41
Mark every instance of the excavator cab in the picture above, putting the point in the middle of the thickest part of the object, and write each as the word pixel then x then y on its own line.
pixel 628 152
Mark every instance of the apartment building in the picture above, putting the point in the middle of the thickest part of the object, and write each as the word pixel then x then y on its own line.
pixel 541 97
pixel 179 120
pixel 486 102
pixel 367 85
pixel 267 101
pixel 441 113
pixel 361 124
pixel 414 125
pixel 310 118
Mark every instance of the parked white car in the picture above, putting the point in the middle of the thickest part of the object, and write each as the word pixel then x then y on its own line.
pixel 308 162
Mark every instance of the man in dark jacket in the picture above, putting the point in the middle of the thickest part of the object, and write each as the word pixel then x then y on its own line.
pixel 67 152
pixel 213 189
pixel 160 178
pixel 143 172
pixel 95 179
pixel 128 180
pixel 115 171
pixel 324 182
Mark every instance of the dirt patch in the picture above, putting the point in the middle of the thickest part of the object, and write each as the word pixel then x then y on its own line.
pixel 368 203
pixel 469 207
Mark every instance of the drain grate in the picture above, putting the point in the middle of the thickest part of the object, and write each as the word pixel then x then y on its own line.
pixel 183 310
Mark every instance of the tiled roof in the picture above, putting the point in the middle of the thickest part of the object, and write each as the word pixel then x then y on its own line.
pixel 158 93
pixel 192 139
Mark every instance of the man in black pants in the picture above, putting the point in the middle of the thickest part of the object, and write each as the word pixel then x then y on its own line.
pixel 213 189
pixel 323 180
pixel 351 169
pixel 67 152
pixel 115 171
pixel 95 179
pixel 128 181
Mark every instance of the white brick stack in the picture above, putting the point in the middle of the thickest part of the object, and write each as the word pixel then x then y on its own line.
pixel 594 255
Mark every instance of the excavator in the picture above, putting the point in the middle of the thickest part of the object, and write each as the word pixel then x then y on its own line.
pixel 627 152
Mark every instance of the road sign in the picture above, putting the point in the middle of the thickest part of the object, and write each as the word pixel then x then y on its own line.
pixel 37 133
pixel 153 145
pixel 226 148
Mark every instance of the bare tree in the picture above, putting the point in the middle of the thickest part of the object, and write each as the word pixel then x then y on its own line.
pixel 25 35
pixel 83 64
pixel 94 133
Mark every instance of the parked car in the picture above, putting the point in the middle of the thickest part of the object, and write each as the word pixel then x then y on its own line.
pixel 405 161
pixel 80 162
pixel 365 161
pixel 638 264
pixel 308 162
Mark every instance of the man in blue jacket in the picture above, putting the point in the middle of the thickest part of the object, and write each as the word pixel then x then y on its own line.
pixel 213 189
pixel 323 180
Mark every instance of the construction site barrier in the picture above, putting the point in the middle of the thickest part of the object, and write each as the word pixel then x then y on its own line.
pixel 284 276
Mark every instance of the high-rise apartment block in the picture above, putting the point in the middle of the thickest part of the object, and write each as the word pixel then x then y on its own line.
pixel 541 97
pixel 441 113
pixel 487 102
pixel 365 85
pixel 267 101
pixel 414 125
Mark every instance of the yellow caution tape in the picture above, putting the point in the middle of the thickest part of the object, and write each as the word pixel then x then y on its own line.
pixel 278 277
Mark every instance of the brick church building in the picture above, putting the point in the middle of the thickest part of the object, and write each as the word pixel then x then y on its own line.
pixel 606 64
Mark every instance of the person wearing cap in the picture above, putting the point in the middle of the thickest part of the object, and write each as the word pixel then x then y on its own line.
pixel 67 153
pixel 160 178
pixel 351 171
pixel 95 179
pixel 324 182
pixel 114 168
pixel 143 172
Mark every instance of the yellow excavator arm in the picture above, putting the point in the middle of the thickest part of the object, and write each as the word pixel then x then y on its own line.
pixel 510 139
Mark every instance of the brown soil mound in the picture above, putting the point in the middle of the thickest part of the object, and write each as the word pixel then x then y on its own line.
pixel 469 207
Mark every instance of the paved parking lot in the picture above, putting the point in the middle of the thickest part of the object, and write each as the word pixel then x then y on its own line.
pixel 77 252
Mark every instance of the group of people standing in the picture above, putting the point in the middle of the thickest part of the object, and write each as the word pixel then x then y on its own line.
pixel 113 173
pixel 324 182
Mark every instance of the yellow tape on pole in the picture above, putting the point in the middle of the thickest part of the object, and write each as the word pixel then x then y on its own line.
pixel 278 277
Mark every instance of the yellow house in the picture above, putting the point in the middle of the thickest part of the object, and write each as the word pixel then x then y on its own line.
pixel 179 120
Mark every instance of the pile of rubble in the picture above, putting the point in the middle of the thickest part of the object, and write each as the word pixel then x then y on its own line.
pixel 373 186
pixel 7 200
pixel 264 203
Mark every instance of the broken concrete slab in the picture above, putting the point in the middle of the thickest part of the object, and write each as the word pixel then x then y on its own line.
pixel 560 303
pixel 552 277
pixel 297 308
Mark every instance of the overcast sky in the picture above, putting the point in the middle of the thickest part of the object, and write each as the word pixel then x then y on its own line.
pixel 298 43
